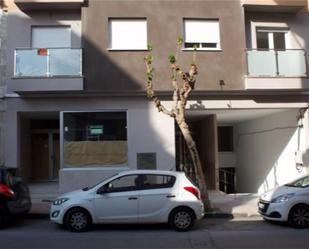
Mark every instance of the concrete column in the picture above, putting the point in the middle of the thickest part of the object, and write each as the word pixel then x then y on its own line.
pixel 12 139
pixel 207 142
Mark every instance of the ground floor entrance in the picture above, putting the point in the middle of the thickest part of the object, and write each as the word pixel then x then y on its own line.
pixel 45 156
pixel 248 150
pixel 40 146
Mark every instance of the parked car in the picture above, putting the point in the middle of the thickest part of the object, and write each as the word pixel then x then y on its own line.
pixel 14 196
pixel 140 196
pixel 288 203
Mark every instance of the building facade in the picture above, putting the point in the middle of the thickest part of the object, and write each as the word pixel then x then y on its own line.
pixel 3 43
pixel 76 108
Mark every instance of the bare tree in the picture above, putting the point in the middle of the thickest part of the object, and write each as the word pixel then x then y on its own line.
pixel 183 83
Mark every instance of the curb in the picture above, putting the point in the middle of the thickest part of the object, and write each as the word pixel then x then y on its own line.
pixel 206 216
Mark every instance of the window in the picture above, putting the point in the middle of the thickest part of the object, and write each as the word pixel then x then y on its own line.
pixel 94 139
pixel 128 34
pixel 271 38
pixel 202 33
pixel 51 37
pixel 225 138
pixel 155 181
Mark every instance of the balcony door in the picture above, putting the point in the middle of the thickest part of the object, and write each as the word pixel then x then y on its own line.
pixel 268 38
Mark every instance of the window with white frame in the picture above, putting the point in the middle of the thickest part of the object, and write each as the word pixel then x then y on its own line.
pixel 51 37
pixel 202 34
pixel 271 38
pixel 128 34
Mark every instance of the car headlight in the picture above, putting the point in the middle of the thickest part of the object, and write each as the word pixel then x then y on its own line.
pixel 60 201
pixel 282 198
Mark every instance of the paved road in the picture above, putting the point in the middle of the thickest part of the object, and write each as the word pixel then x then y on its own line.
pixel 210 233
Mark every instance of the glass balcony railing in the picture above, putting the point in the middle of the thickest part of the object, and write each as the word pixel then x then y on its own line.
pixel 277 63
pixel 48 62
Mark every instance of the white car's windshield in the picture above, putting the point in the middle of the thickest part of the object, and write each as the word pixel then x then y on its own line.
pixel 300 183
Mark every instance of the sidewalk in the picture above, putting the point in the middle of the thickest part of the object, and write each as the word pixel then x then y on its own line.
pixel 222 205
pixel 244 205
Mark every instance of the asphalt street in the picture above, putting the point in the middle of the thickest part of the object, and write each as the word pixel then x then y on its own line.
pixel 210 233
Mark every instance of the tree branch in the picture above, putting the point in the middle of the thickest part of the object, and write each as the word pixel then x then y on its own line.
pixel 150 92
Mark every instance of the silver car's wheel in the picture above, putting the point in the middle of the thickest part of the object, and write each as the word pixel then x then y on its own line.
pixel 182 219
pixel 77 220
pixel 299 216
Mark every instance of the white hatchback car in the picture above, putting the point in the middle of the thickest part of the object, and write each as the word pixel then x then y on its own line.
pixel 289 203
pixel 140 196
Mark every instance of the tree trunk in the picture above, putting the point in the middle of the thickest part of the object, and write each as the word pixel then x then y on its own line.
pixel 184 128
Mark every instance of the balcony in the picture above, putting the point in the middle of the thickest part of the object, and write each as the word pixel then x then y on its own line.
pixel 47 69
pixel 49 4
pixel 277 63
pixel 291 6
pixel 276 69
pixel 53 62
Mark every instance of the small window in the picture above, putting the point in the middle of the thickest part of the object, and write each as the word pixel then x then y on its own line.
pixel 202 33
pixel 156 181
pixel 225 138
pixel 122 184
pixel 128 34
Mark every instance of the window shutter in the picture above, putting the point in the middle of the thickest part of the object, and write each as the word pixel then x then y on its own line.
pixel 202 31
pixel 128 34
pixel 51 37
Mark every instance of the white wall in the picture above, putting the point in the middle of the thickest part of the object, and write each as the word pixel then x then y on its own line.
pixel 265 150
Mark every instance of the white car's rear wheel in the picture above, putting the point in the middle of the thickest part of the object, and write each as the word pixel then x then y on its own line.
pixel 182 219
pixel 299 216
pixel 77 220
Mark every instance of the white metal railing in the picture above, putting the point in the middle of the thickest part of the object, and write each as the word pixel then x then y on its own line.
pixel 277 63
pixel 48 62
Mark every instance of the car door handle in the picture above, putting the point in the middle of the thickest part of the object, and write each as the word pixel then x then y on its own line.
pixel 132 198
pixel 170 196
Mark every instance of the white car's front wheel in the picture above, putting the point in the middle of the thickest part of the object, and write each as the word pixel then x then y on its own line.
pixel 299 216
pixel 77 220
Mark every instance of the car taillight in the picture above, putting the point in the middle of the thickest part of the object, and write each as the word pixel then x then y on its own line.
pixel 193 191
pixel 6 191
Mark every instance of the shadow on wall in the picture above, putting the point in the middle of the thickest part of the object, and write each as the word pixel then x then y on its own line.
pixel 265 151
pixel 104 77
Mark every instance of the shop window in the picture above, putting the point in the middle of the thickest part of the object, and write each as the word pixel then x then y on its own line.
pixel 94 139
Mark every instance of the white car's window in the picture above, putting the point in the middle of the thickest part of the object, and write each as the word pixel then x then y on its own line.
pixel 124 183
pixel 156 181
